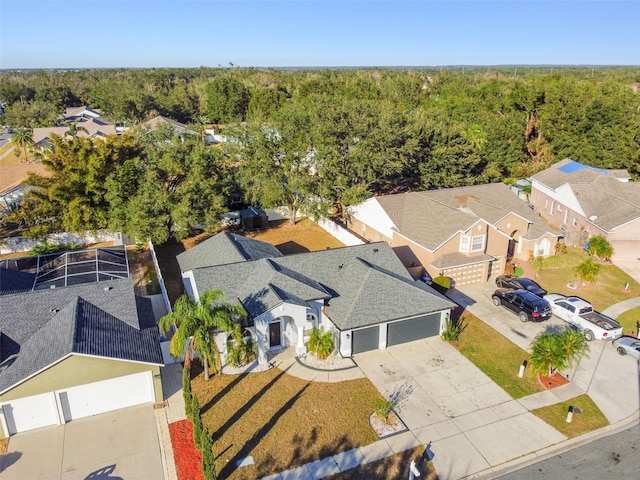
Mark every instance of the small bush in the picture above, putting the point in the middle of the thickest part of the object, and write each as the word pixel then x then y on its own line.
pixel 241 351
pixel 208 458
pixel 453 329
pixel 320 343
pixel 383 408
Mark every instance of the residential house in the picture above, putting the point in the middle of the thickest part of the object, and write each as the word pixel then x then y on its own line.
pixel 159 120
pixel 75 340
pixel 363 294
pixel 584 201
pixel 466 233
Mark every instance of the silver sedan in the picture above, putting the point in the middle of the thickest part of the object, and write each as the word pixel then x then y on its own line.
pixel 628 346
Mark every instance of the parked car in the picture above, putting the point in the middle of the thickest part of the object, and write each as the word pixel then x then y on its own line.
pixel 580 314
pixel 628 346
pixel 523 303
pixel 510 281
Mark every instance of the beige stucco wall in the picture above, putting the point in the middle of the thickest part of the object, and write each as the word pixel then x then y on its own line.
pixel 80 370
pixel 367 232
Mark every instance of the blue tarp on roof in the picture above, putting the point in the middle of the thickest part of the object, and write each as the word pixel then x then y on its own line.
pixel 573 166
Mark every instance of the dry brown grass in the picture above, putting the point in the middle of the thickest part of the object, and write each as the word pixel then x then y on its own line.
pixel 14 170
pixel 4 445
pixel 395 466
pixel 304 236
pixel 282 421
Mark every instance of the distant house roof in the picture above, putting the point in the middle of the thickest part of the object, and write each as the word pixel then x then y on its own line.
pixel 431 217
pixel 601 193
pixel 83 111
pixel 41 327
pixel 156 121
pixel 225 248
pixel 96 128
pixel 361 285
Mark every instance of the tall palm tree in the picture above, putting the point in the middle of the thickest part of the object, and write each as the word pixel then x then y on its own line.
pixel 196 323
pixel 22 137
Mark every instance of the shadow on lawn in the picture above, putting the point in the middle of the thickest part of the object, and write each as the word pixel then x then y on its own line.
pixel 248 447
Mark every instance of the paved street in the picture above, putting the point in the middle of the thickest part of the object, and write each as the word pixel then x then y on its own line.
pixel 615 456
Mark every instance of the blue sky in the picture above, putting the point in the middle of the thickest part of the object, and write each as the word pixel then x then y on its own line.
pixel 265 33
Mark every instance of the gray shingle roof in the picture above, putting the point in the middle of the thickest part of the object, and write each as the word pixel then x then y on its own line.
pixel 430 218
pixel 100 319
pixel 456 259
pixel 364 285
pixel 613 202
pixel 223 249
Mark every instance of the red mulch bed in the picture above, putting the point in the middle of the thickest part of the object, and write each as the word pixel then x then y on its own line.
pixel 187 457
pixel 552 382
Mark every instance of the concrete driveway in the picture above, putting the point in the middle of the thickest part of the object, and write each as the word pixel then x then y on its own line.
pixel 468 422
pixel 627 258
pixel 121 445
pixel 610 380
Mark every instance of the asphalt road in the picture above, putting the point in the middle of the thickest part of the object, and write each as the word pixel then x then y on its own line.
pixel 613 457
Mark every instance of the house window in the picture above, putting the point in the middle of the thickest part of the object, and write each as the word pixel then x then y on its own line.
pixel 464 243
pixel 477 243
pixel 363 230
pixel 575 222
pixel 553 207
pixel 559 207
pixel 566 216
pixel 546 203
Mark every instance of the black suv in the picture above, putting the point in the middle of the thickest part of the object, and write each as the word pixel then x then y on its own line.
pixel 524 303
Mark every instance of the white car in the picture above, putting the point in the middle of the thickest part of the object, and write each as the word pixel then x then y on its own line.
pixel 628 346
pixel 580 314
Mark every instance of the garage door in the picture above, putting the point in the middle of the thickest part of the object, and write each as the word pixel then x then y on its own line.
pixel 31 412
pixel 413 329
pixel 108 395
pixel 365 339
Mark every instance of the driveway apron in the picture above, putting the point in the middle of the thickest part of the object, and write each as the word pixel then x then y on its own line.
pixel 118 445
pixel 469 423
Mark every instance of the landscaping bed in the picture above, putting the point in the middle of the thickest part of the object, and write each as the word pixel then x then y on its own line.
pixel 186 456
pixel 282 421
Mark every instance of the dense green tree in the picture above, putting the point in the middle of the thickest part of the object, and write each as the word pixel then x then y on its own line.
pixel 22 138
pixel 600 246
pixel 227 100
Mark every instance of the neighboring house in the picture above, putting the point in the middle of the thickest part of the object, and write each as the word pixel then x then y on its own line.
pixel 159 120
pixel 363 294
pixel 213 138
pixel 95 128
pixel 75 114
pixel 584 201
pixel 466 233
pixel 75 340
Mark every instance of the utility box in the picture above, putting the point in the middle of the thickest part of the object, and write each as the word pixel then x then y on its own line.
pixel 253 218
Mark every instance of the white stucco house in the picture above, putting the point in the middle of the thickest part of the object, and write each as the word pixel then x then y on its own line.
pixel 363 294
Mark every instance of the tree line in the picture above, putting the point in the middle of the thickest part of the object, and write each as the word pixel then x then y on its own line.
pixel 314 140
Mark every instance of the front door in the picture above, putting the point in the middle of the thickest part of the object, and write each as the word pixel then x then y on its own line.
pixel 274 334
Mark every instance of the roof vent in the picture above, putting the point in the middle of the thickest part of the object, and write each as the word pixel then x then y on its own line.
pixel 108 287
pixel 54 310
pixel 341 265
pixel 593 218
pixel 375 250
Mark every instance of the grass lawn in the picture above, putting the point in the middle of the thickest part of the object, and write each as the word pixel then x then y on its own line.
pixel 558 272
pixel 395 466
pixel 304 236
pixel 497 357
pixel 628 321
pixel 282 421
pixel 590 419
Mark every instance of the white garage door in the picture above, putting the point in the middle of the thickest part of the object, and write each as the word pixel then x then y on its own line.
pixel 108 395
pixel 31 412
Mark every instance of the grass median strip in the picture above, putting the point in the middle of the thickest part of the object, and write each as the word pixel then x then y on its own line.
pixel 497 357
pixel 590 418
pixel 629 320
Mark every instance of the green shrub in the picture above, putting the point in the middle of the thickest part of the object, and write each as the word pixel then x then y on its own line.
pixel 197 422
pixel 383 408
pixel 453 329
pixel 320 343
pixel 208 458
pixel 241 351
pixel 186 392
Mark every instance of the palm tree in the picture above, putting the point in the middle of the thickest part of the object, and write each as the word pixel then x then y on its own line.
pixel 547 354
pixel 320 343
pixel 574 345
pixel 196 323
pixel 22 137
pixel 74 129
pixel 587 270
